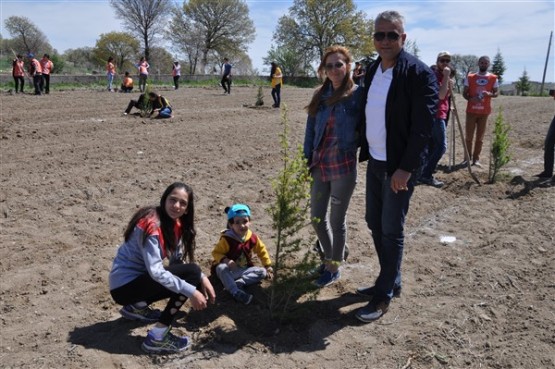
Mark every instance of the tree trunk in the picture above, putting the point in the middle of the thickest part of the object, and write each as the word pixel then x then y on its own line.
pixel 147 48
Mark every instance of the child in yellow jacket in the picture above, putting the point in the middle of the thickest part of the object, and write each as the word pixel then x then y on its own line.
pixel 233 254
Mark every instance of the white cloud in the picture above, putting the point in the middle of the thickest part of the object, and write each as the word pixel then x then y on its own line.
pixel 482 28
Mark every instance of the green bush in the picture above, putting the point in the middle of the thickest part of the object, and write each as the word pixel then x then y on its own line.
pixel 499 154
pixel 293 260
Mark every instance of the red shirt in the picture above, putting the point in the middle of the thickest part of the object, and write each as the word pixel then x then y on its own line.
pixel 443 105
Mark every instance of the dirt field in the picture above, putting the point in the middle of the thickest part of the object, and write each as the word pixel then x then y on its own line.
pixel 73 171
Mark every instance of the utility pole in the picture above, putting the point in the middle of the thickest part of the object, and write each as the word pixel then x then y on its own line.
pixel 546 62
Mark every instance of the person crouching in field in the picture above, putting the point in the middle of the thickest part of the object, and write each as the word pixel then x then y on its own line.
pixel 127 83
pixel 160 104
pixel 149 266
pixel 154 103
pixel 233 255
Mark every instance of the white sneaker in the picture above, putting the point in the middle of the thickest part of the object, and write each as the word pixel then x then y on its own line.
pixel 477 163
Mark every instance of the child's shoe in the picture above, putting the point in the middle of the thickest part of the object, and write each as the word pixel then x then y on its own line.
pixel 327 278
pixel 242 296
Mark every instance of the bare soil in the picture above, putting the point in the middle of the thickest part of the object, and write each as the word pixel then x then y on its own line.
pixel 73 171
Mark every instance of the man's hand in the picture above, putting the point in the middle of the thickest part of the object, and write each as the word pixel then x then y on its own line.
pixel 399 180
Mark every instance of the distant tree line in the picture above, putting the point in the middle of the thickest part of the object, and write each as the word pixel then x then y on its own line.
pixel 202 32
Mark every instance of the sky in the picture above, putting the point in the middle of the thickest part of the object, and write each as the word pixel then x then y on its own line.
pixel 519 29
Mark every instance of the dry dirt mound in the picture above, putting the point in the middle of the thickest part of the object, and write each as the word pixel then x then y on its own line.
pixel 73 170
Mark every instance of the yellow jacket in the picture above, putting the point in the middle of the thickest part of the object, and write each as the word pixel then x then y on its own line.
pixel 241 251
pixel 277 80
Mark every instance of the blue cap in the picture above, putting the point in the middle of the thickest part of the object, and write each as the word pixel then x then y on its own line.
pixel 30 55
pixel 238 210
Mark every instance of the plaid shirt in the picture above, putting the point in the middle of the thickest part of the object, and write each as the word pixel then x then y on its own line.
pixel 328 159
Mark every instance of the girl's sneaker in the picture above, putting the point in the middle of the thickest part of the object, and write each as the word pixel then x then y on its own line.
pixel 327 278
pixel 170 343
pixel 318 271
pixel 147 315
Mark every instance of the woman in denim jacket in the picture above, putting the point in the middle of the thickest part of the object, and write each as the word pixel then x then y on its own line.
pixel 330 147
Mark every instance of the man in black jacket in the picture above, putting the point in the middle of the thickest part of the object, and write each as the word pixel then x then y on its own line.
pixel 401 101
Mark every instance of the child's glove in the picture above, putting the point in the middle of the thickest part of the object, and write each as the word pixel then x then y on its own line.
pixel 269 273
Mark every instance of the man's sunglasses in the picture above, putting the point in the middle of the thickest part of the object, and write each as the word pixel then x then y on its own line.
pixel 337 65
pixel 391 36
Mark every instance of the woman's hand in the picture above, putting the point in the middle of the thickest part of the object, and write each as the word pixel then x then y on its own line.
pixel 208 290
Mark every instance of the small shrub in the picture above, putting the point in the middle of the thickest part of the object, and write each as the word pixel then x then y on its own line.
pixel 259 97
pixel 499 154
pixel 146 105
pixel 289 215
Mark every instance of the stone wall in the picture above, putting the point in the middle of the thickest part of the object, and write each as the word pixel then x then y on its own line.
pixel 163 78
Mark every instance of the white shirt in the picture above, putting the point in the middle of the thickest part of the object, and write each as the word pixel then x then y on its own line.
pixel 376 134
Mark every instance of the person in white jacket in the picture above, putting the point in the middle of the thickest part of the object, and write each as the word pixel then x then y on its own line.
pixel 149 266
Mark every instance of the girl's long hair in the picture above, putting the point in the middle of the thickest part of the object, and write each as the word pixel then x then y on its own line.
pixel 188 231
pixel 346 88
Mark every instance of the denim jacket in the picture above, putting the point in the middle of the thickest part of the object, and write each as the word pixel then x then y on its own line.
pixel 347 116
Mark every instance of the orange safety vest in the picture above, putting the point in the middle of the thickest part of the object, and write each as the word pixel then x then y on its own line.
pixel 143 68
pixel 111 69
pixel 128 82
pixel 38 69
pixel 477 84
pixel 46 66
pixel 18 68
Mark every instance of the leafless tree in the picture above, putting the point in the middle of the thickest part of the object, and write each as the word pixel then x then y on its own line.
pixel 144 18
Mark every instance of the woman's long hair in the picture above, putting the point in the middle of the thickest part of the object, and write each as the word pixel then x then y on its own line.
pixel 346 88
pixel 188 231
pixel 273 70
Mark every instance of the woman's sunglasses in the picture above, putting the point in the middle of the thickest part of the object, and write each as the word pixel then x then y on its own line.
pixel 338 65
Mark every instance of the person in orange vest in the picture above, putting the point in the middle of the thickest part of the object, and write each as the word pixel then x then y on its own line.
pixel 18 72
pixel 479 88
pixel 47 66
pixel 110 72
pixel 143 73
pixel 35 70
pixel 127 84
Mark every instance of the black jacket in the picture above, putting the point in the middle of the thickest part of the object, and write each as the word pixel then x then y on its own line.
pixel 410 112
